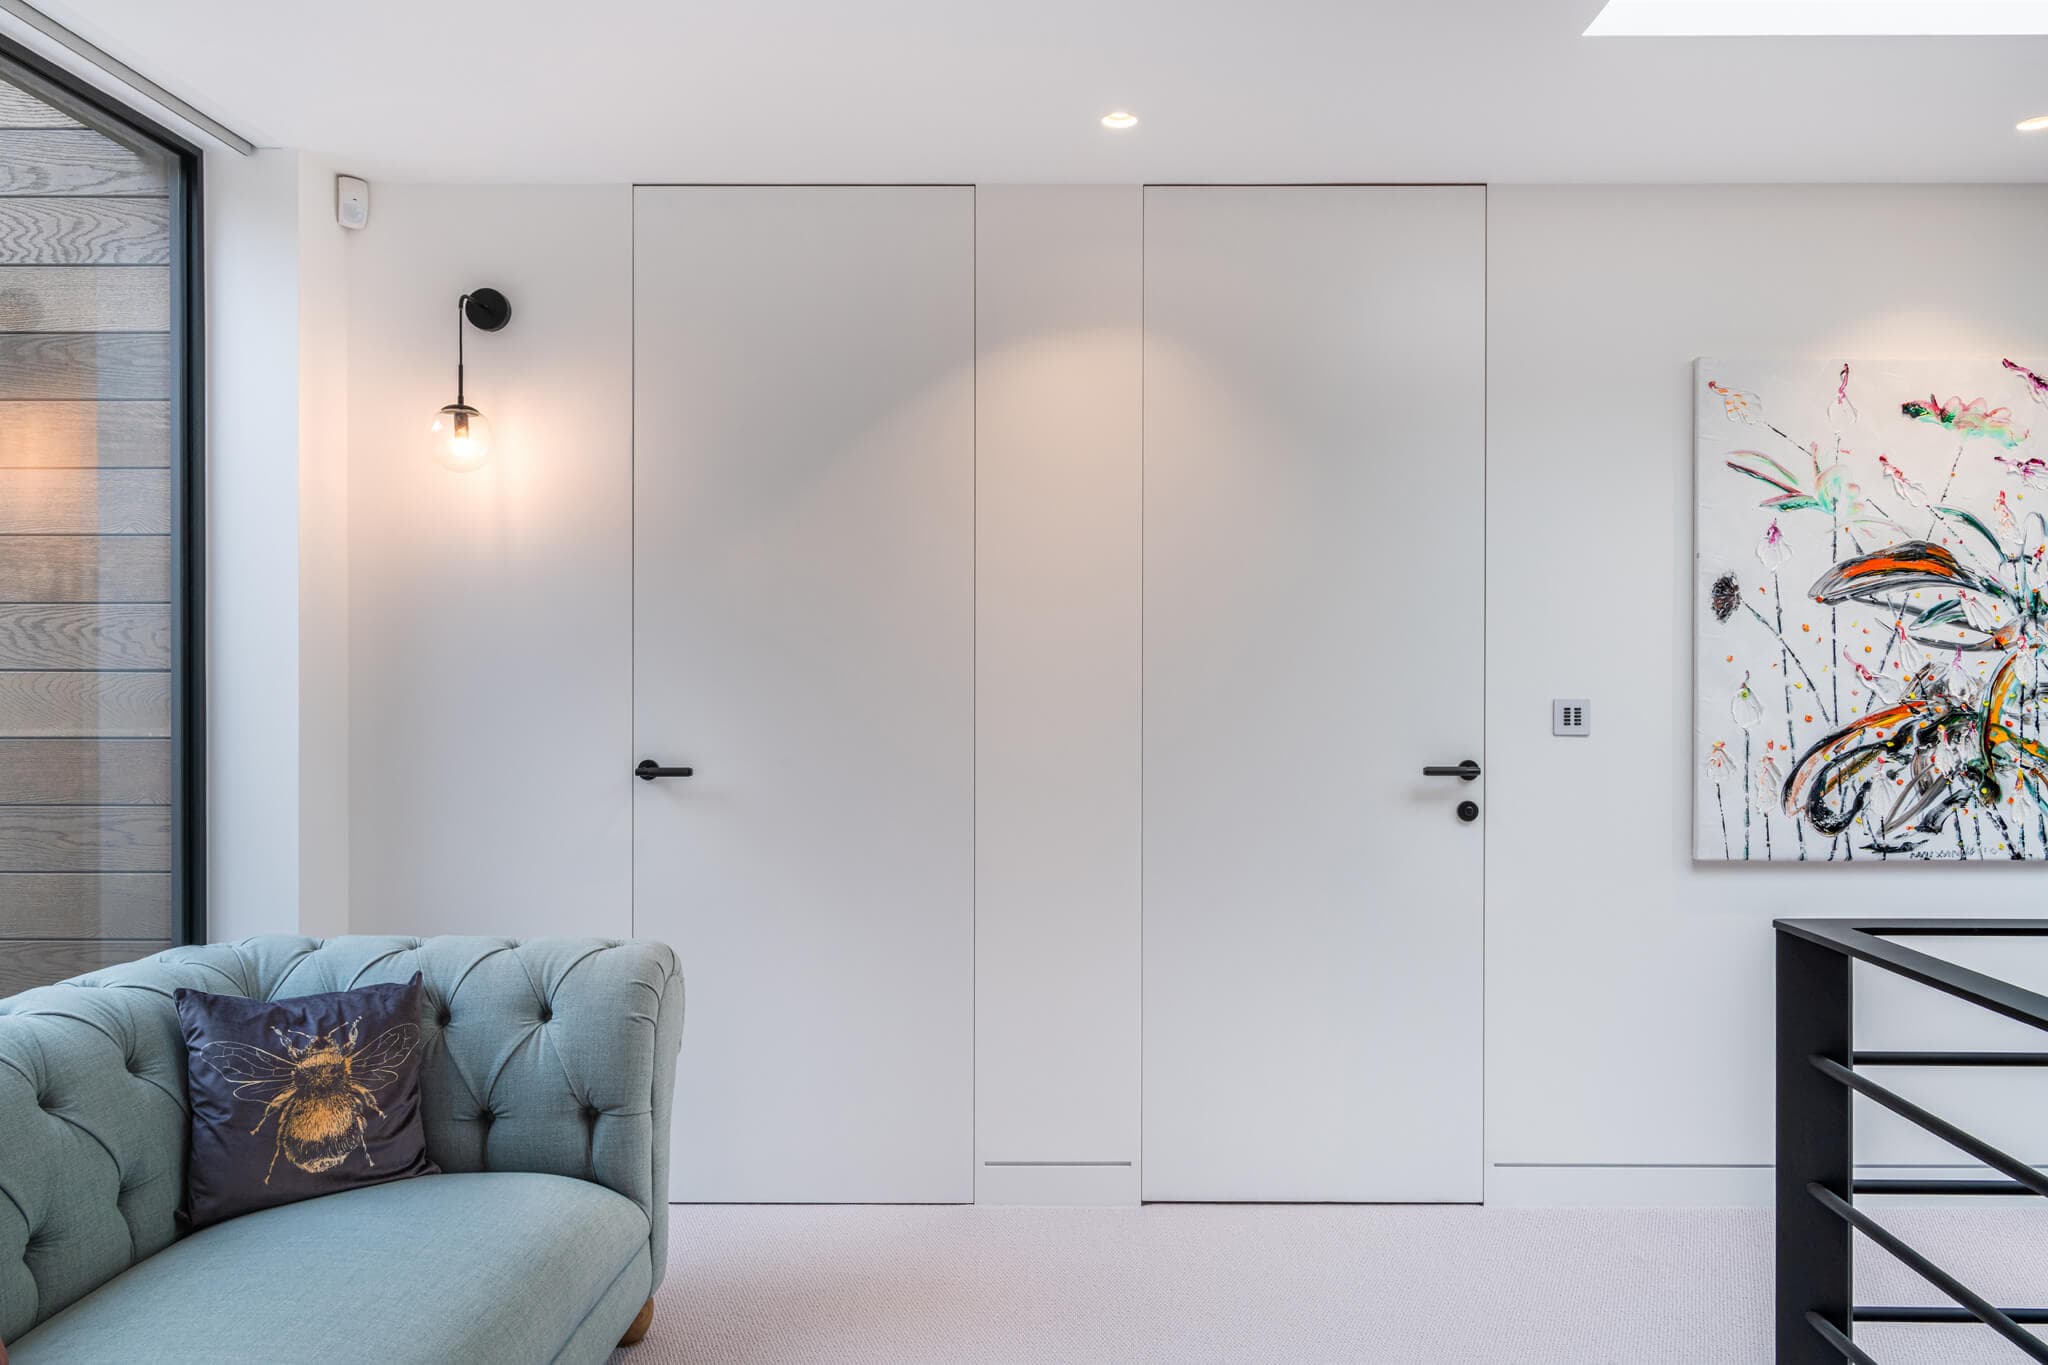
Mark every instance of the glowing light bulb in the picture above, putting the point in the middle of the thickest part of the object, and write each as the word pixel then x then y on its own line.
pixel 461 438
pixel 1120 120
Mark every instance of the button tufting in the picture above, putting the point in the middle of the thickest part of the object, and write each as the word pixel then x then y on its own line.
pixel 546 1014
pixel 443 1018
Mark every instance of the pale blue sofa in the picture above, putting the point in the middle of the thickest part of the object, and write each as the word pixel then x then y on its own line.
pixel 546 1089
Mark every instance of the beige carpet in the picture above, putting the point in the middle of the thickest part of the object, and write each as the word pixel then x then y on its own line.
pixel 1403 1286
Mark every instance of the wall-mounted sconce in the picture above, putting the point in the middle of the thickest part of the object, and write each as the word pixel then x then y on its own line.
pixel 461 434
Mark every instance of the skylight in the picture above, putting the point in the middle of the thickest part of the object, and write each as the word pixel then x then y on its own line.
pixel 1819 18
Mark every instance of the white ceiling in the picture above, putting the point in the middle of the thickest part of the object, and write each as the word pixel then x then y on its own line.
pixel 1671 18
pixel 1011 90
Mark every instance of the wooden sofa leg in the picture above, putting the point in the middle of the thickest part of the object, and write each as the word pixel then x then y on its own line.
pixel 640 1324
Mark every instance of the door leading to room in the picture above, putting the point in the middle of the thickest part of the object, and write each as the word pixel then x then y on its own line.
pixel 1313 584
pixel 804 642
pixel 804 567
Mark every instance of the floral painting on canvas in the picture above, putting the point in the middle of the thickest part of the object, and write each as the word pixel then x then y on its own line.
pixel 1872 600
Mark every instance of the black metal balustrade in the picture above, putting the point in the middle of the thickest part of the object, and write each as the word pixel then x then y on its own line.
pixel 1819 1073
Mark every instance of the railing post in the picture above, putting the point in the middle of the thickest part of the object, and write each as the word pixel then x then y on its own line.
pixel 1814 1145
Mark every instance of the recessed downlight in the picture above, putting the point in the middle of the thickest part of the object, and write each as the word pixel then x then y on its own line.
pixel 2037 124
pixel 1120 119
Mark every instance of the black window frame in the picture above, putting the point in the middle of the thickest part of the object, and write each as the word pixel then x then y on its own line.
pixel 188 465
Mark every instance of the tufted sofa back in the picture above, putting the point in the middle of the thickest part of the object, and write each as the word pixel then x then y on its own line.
pixel 550 1055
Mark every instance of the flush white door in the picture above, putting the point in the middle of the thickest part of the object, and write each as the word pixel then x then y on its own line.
pixel 803 639
pixel 1314 466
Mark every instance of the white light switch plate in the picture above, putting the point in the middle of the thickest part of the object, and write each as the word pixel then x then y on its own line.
pixel 1571 716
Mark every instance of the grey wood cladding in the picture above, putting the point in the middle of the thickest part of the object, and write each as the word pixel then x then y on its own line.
pixel 55 502
pixel 82 905
pixel 62 705
pixel 107 366
pixel 75 298
pixel 27 964
pixel 85 839
pixel 76 161
pixel 51 568
pixel 19 109
pixel 86 637
pixel 100 231
pixel 72 433
pixel 81 772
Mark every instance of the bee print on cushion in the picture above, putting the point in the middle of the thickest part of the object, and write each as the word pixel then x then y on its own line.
pixel 318 1089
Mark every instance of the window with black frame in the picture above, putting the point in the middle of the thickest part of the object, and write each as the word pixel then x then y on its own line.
pixel 99 684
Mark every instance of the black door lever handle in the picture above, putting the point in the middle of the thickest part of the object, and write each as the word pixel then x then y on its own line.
pixel 1467 770
pixel 649 770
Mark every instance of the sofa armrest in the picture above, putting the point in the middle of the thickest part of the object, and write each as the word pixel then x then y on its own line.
pixel 556 1056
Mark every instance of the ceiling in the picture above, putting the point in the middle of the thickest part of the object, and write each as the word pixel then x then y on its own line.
pixel 1011 90
pixel 1671 18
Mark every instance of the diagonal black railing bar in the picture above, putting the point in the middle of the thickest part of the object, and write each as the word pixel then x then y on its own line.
pixel 1980 1308
pixel 1834 1337
pixel 1944 1187
pixel 1858 939
pixel 1991 1156
pixel 1817 1080
pixel 1951 1059
pixel 1894 1314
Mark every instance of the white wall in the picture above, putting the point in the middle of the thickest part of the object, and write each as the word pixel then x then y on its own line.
pixel 490 680
pixel 491 624
pixel 323 383
pixel 1629 991
pixel 1059 352
pixel 252 666
pixel 277 456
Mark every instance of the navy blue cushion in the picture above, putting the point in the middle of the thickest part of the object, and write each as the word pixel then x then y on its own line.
pixel 301 1097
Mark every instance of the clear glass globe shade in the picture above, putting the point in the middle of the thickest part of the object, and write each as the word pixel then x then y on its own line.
pixel 461 438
